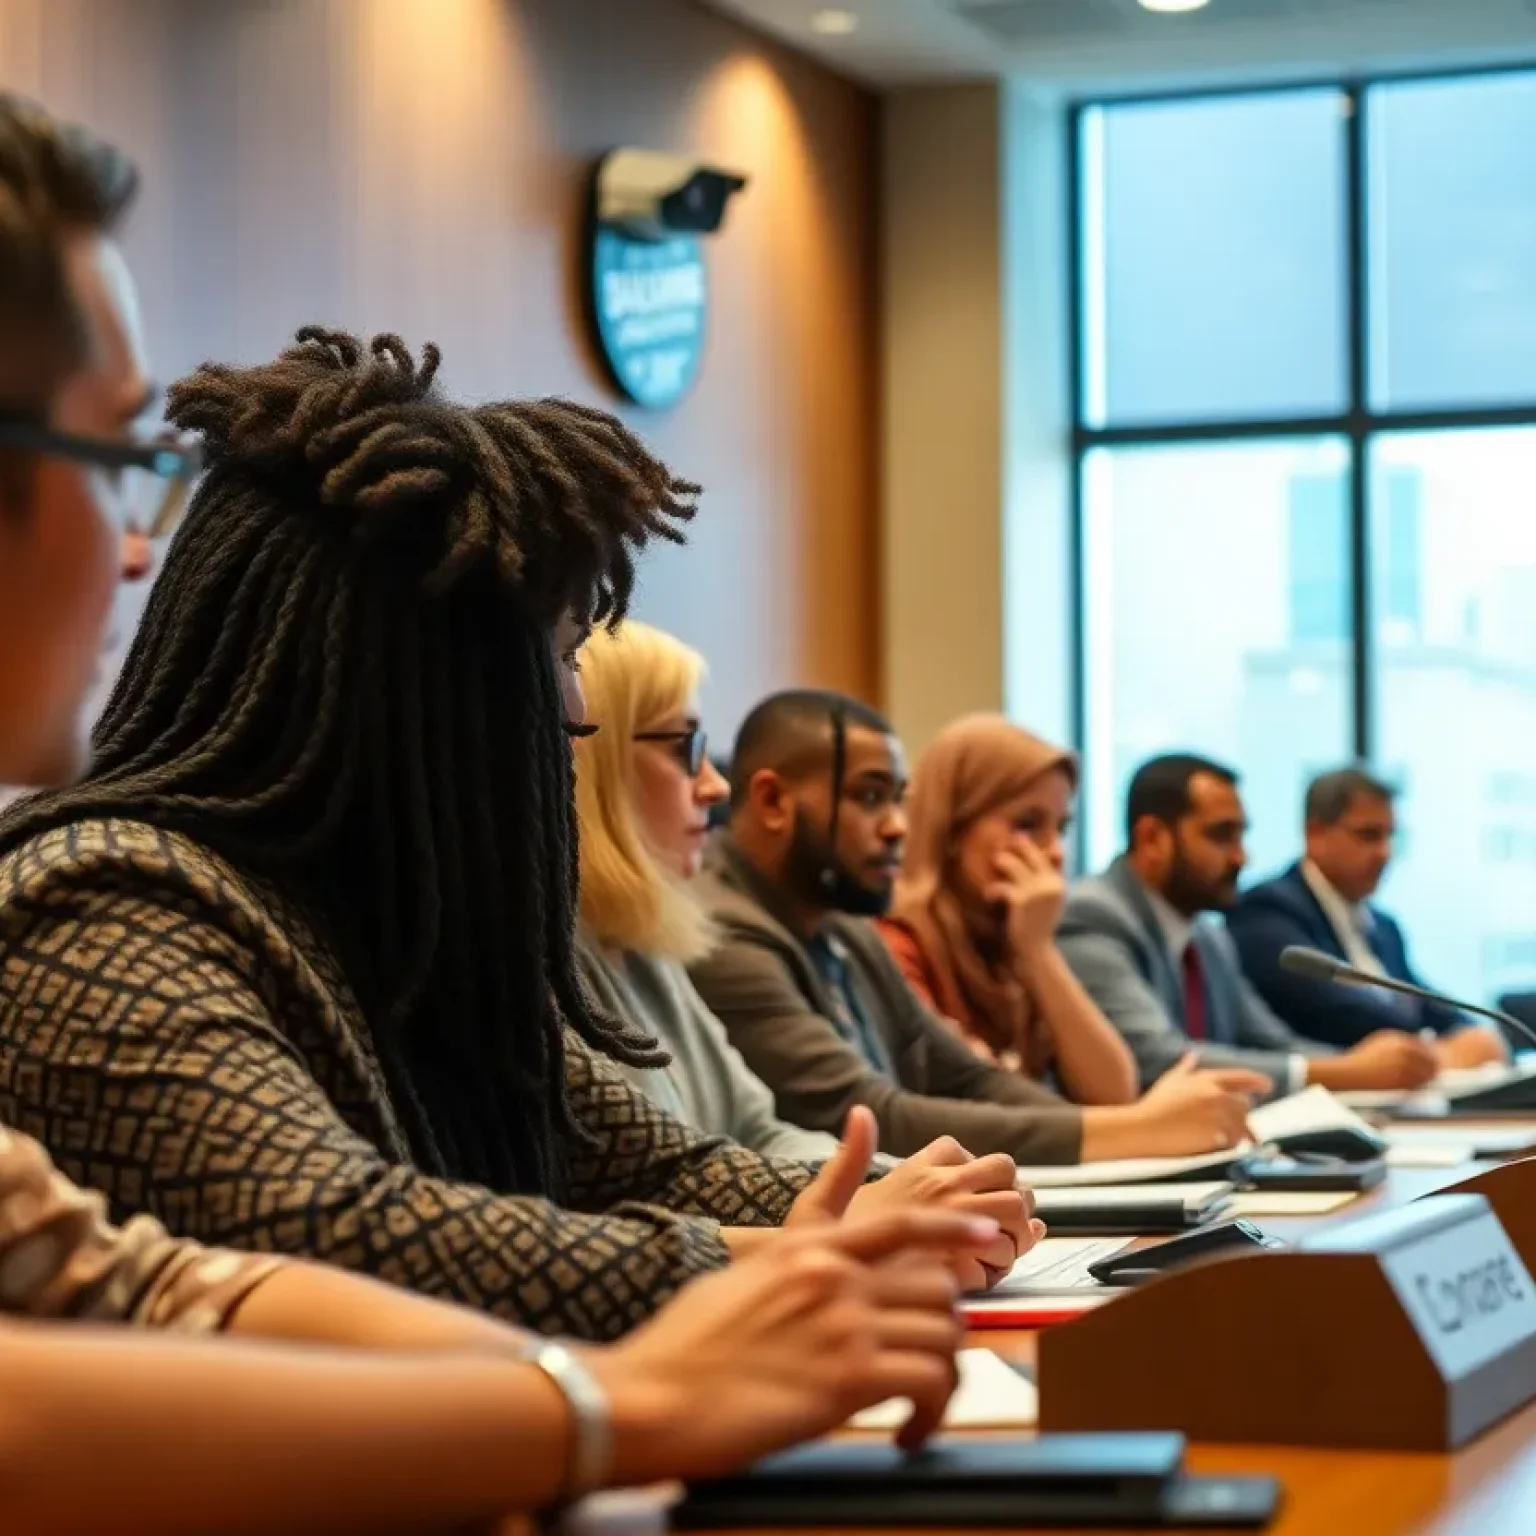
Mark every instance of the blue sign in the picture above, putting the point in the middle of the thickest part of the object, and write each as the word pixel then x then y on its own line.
pixel 649 299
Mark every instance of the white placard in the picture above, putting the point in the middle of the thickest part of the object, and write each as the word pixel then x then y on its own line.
pixel 1467 1291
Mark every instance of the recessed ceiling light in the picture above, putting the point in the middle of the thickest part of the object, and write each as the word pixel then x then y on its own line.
pixel 838 23
pixel 1170 7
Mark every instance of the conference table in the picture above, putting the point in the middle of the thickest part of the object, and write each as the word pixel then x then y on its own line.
pixel 1486 1489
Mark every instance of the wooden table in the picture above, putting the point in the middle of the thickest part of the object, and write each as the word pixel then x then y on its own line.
pixel 1488 1489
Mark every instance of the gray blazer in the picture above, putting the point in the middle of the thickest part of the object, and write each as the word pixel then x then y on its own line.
pixel 777 1009
pixel 1111 938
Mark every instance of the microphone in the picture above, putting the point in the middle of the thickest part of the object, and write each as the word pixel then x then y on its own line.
pixel 1317 966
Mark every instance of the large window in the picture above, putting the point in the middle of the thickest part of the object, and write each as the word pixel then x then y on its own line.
pixel 1306 438
pixel 1217 613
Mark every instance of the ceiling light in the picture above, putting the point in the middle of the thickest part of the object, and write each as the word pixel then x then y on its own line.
pixel 1170 7
pixel 838 23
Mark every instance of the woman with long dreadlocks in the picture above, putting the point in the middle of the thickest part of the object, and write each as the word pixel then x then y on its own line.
pixel 327 1394
pixel 292 967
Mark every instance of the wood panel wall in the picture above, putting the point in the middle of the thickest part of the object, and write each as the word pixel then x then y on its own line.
pixel 419 166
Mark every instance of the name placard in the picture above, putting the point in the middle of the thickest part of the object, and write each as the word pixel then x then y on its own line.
pixel 1414 1329
pixel 1467 1289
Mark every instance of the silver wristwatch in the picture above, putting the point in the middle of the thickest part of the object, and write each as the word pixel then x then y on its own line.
pixel 591 1421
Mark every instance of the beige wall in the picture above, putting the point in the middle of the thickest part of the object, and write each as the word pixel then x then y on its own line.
pixel 975 442
pixel 943 383
pixel 419 166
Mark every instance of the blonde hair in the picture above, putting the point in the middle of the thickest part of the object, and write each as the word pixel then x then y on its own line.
pixel 634 677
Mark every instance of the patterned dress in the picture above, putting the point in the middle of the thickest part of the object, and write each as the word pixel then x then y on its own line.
pixel 178 1038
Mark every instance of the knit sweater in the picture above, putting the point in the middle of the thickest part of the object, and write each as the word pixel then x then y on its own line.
pixel 706 1085
pixel 179 1038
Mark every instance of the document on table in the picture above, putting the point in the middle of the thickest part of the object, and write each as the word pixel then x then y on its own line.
pixel 1313 1109
pixel 991 1395
pixel 1034 1311
pixel 1057 1264
pixel 1259 1203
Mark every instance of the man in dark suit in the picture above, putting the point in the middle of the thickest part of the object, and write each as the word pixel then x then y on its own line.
pixel 1323 902
pixel 1146 942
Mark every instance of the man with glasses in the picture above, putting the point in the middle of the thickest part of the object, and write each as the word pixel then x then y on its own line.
pixel 80 492
pixel 1145 943
pixel 1324 902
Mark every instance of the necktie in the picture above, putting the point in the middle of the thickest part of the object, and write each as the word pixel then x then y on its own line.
pixel 1409 1008
pixel 1194 992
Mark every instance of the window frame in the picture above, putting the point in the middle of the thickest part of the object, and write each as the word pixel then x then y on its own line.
pixel 1358 424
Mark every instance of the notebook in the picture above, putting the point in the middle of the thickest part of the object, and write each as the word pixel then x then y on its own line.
pixel 1133 1208
pixel 1132 1170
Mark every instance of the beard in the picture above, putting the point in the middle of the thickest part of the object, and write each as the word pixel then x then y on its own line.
pixel 819 878
pixel 1189 892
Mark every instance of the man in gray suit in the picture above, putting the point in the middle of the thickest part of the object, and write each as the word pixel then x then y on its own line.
pixel 1166 973
pixel 811 997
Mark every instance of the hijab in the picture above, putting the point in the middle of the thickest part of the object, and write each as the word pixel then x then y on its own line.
pixel 975 766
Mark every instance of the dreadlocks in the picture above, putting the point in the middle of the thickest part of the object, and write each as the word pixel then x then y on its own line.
pixel 344 685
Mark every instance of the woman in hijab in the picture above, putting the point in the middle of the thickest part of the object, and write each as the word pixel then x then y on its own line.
pixel 974 917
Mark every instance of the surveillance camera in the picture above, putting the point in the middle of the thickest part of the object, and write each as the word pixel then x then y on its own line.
pixel 651 195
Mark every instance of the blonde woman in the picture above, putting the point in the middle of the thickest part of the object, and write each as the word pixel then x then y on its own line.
pixel 644 790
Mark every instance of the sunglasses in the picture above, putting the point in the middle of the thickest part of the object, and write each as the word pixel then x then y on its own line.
pixel 172 465
pixel 691 746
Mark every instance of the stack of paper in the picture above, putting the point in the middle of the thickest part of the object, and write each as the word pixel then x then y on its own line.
pixel 1057 1264
pixel 1034 1311
pixel 1049 1284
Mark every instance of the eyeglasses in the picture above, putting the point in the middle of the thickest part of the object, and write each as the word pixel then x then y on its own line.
pixel 155 471
pixel 692 746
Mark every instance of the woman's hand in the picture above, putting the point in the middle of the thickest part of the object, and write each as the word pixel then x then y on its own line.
pixel 944 1176
pixel 1031 891
pixel 789 1343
